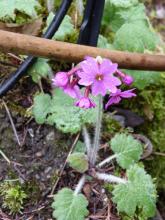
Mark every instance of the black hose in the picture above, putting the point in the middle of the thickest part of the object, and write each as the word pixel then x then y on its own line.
pixel 53 27
pixel 90 27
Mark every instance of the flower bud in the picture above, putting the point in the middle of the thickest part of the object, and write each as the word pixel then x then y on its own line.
pixel 128 80
pixel 85 102
pixel 61 79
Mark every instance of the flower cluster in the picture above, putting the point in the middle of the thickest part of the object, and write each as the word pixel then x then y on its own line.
pixel 99 76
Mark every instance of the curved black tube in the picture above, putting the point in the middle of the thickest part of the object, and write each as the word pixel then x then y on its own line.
pixel 90 27
pixel 53 27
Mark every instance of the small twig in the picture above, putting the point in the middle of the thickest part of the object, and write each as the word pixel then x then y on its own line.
pixel 108 212
pixel 62 170
pixel 35 210
pixel 96 217
pixel 30 218
pixel 13 180
pixel 15 57
pixel 12 123
pixel 5 157
pixel 19 172
pixel 159 154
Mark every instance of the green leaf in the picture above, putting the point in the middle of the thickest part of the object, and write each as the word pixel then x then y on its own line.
pixel 128 15
pixel 109 11
pixel 66 27
pixel 69 206
pixel 80 147
pixel 60 110
pixel 138 193
pixel 143 78
pixel 40 69
pixel 79 162
pixel 112 7
pixel 116 16
pixel 8 9
pixel 41 107
pixel 123 3
pixel 103 42
pixel 127 149
pixel 136 37
pixel 133 14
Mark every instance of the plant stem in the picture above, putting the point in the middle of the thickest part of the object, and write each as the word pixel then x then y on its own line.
pixel 97 132
pixel 87 141
pixel 107 160
pixel 80 185
pixel 110 178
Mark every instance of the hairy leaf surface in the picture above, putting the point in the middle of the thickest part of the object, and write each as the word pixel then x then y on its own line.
pixel 127 149
pixel 40 69
pixel 143 78
pixel 60 110
pixel 69 206
pixel 139 192
pixel 79 162
pixel 66 27
pixel 123 3
pixel 8 9
pixel 135 37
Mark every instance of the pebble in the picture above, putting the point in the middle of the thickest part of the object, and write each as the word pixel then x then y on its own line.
pixel 39 154
pixel 47 170
pixel 50 136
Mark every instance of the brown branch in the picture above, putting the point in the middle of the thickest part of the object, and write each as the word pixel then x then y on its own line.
pixel 29 45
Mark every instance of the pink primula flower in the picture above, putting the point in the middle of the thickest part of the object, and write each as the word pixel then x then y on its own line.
pixel 72 90
pixel 126 79
pixel 61 79
pixel 85 102
pixel 98 75
pixel 115 98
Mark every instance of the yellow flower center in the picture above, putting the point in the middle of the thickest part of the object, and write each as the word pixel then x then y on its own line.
pixel 99 77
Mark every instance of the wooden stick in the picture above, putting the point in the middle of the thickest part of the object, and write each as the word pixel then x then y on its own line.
pixel 30 45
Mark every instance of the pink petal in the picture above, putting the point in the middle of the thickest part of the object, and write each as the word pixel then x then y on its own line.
pixel 111 82
pixel 90 66
pixel 113 100
pixel 98 88
pixel 112 88
pixel 116 81
pixel 74 92
pixel 107 67
pixel 85 79
pixel 60 79
pixel 128 94
pixel 85 102
pixel 117 93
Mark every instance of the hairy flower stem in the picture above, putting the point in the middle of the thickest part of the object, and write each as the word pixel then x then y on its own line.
pixel 87 141
pixel 110 178
pixel 95 147
pixel 107 160
pixel 80 185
